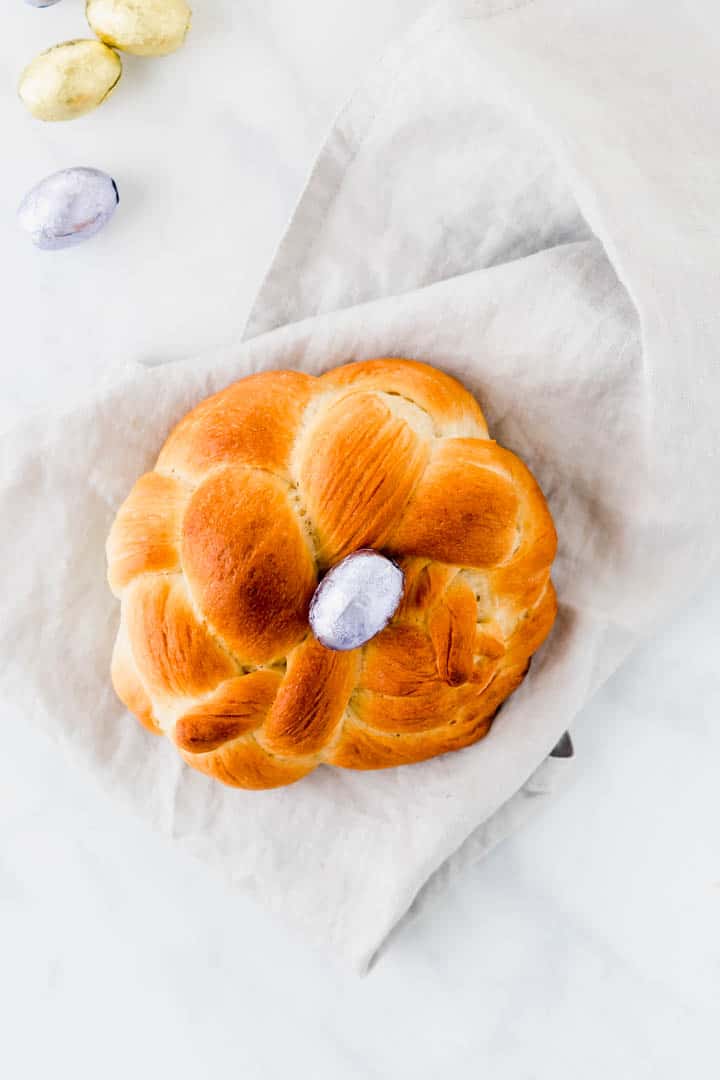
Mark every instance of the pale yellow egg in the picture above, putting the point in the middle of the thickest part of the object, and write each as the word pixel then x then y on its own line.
pixel 142 27
pixel 69 80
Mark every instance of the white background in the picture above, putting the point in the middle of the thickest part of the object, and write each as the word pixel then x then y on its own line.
pixel 588 946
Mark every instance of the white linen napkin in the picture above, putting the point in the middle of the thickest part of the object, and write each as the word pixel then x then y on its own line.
pixel 526 196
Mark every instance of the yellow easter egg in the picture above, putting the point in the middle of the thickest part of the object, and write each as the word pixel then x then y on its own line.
pixel 142 27
pixel 69 80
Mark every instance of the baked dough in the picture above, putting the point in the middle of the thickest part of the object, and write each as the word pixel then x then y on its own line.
pixel 216 553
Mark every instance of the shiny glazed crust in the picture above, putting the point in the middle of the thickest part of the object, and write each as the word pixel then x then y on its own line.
pixel 261 488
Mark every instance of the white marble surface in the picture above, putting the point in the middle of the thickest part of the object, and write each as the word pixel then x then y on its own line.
pixel 587 946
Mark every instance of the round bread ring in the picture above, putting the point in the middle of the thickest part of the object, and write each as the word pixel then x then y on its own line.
pixel 257 492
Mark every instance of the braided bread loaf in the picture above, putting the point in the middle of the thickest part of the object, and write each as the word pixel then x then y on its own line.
pixel 261 488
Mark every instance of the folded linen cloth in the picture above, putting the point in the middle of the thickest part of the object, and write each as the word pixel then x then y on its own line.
pixel 526 196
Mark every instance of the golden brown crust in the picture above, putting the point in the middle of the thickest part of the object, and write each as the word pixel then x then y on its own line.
pixel 242 763
pixel 453 410
pixel 174 653
pixel 399 660
pixel 369 748
pixel 247 563
pixel 252 422
pixel 425 582
pixel 311 701
pixel 237 706
pixel 358 468
pixel 451 623
pixel 145 534
pixel 265 485
pixel 463 511
pixel 364 747
pixel 429 706
pixel 535 626
pixel 128 687
pixel 489 640
pixel 522 578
